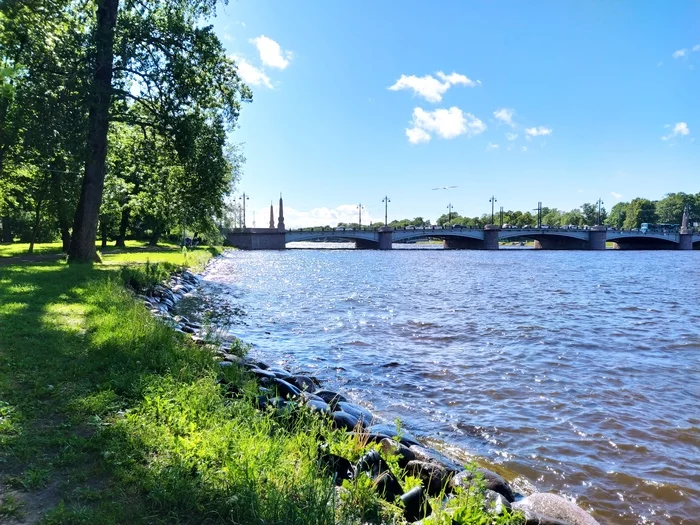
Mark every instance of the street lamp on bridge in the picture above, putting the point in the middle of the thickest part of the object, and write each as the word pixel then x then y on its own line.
pixel 500 222
pixel 449 214
pixel 244 198
pixel 600 204
pixel 386 202
pixel 493 201
pixel 359 219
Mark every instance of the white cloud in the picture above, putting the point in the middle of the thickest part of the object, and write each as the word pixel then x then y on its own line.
pixel 680 53
pixel 523 148
pixel 251 74
pixel 429 87
pixel 491 146
pixel 505 115
pixel 696 47
pixel 680 129
pixel 271 53
pixel 538 132
pixel 417 135
pixel 316 217
pixel 446 123
pixel 511 136
pixel 618 196
pixel 455 79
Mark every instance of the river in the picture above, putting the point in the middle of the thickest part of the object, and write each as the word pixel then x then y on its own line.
pixel 571 371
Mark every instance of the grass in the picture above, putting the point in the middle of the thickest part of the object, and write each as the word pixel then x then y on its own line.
pixel 108 416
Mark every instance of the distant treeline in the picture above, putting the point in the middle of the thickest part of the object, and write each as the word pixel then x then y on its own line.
pixel 625 215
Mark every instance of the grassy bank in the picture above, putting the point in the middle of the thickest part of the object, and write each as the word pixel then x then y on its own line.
pixel 108 416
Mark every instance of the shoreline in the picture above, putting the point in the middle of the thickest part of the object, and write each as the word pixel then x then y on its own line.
pixel 419 457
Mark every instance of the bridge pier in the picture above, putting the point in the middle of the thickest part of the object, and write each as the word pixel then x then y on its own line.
pixel 257 239
pixel 491 234
pixel 685 241
pixel 596 238
pixel 385 237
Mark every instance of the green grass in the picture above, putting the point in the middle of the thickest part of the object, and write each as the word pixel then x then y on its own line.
pixel 22 248
pixel 108 416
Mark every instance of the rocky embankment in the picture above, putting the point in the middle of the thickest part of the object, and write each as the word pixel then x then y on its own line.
pixel 439 475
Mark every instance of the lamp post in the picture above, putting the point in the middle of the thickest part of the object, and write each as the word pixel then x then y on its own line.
pixel 501 218
pixel 493 201
pixel 600 204
pixel 386 202
pixel 539 214
pixel 244 198
pixel 359 219
pixel 449 214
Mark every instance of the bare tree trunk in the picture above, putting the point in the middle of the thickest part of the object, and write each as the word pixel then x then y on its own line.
pixel 123 225
pixel 103 226
pixel 6 231
pixel 155 237
pixel 82 247
pixel 37 223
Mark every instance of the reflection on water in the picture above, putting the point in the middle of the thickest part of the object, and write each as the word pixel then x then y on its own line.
pixel 577 372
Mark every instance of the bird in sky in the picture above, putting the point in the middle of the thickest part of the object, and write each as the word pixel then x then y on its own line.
pixel 445 188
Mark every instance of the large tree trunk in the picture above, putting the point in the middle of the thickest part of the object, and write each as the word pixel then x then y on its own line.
pixel 82 248
pixel 104 234
pixel 37 223
pixel 6 232
pixel 123 225
pixel 155 237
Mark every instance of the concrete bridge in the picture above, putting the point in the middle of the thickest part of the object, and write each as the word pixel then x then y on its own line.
pixel 488 238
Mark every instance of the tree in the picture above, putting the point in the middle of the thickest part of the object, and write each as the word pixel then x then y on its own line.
pixel 639 211
pixel 618 213
pixel 670 208
pixel 572 218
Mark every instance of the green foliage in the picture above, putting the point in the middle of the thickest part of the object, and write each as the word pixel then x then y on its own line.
pixel 142 278
pixel 639 211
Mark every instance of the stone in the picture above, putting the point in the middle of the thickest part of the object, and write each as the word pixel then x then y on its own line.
pixel 340 467
pixel 404 453
pixel 318 406
pixel 491 480
pixel 433 456
pixel 406 438
pixel 262 373
pixel 285 389
pixel 356 410
pixel 302 382
pixel 188 329
pixel 344 421
pixel 387 486
pixel 433 476
pixel 224 364
pixel 557 507
pixel 416 506
pixel 330 397
pixel 495 503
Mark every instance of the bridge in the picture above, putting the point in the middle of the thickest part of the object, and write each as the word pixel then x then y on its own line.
pixel 457 237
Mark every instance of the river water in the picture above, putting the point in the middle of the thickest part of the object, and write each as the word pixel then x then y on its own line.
pixel 574 372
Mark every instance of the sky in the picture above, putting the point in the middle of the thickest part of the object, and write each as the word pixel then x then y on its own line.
pixel 558 102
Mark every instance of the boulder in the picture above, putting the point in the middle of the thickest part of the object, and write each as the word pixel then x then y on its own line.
pixel 302 382
pixel 495 503
pixel 404 453
pixel 416 506
pixel 387 486
pixel 344 421
pixel 433 476
pixel 330 397
pixel 406 439
pixel 557 507
pixel 284 389
pixel 356 410
pixel 433 456
pixel 491 480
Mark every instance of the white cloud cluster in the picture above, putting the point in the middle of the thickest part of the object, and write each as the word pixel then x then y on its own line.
pixel 680 129
pixel 271 52
pixel 681 53
pixel 540 131
pixel 491 146
pixel 251 74
pixel 431 88
pixel 505 115
pixel 511 136
pixel 316 217
pixel 617 196
pixel 446 123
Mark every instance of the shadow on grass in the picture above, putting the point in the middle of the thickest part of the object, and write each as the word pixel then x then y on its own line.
pixel 122 419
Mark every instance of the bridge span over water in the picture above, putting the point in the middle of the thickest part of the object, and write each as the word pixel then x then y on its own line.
pixel 488 238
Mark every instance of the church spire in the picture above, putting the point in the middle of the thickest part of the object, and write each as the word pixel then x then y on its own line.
pixel 280 220
pixel 272 217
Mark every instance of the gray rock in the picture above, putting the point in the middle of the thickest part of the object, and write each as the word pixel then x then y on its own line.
pixel 557 507
pixel 357 411
pixel 302 382
pixel 407 438
pixel 343 420
pixel 494 503
pixel 492 481
pixel 404 453
pixel 433 476
pixel 433 456
pixel 330 397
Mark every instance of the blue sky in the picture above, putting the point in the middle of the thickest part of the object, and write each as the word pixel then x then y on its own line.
pixel 600 99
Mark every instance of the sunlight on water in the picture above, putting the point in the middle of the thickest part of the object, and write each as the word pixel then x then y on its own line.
pixel 578 372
